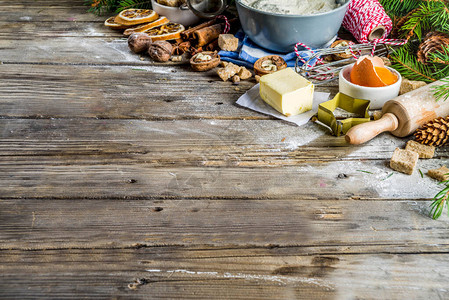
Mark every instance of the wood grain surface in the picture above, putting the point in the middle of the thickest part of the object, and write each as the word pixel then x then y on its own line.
pixel 124 178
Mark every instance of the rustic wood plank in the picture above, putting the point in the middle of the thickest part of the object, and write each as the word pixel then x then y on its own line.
pixel 198 158
pixel 224 274
pixel 46 29
pixel 318 226
pixel 159 92
pixel 125 92
pixel 36 12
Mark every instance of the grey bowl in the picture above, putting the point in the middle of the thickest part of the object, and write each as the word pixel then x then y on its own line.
pixel 279 32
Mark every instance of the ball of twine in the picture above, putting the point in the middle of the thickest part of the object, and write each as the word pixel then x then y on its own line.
pixel 367 20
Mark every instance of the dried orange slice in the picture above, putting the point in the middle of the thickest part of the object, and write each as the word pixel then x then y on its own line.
pixel 170 31
pixel 371 72
pixel 134 16
pixel 144 27
pixel 112 24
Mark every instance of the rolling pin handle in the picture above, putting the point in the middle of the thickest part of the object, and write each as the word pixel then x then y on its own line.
pixel 364 132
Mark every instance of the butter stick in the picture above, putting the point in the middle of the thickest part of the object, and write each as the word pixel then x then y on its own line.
pixel 287 92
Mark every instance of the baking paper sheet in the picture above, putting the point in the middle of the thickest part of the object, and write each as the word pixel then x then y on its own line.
pixel 251 99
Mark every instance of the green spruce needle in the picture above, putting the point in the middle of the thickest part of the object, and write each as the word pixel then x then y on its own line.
pixel 420 173
pixel 442 91
pixel 389 175
pixel 439 200
pixel 364 171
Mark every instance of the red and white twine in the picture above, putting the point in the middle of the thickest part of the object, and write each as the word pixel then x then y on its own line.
pixel 362 17
pixel 227 26
pixel 318 61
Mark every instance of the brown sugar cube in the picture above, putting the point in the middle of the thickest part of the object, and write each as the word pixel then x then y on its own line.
pixel 424 151
pixel 228 42
pixel 404 161
pixel 410 85
pixel 244 73
pixel 439 174
pixel 228 71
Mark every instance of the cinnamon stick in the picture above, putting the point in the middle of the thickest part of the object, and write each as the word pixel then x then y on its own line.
pixel 187 34
pixel 212 46
pixel 206 35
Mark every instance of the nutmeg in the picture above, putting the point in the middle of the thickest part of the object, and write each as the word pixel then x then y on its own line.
pixel 160 51
pixel 139 42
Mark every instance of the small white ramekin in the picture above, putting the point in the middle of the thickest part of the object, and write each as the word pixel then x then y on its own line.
pixel 377 95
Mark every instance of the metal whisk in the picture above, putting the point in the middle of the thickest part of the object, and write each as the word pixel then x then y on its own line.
pixel 323 71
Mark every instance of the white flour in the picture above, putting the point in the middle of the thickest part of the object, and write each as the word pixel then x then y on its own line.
pixel 292 7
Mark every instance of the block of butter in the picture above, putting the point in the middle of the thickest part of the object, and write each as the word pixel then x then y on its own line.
pixel 287 92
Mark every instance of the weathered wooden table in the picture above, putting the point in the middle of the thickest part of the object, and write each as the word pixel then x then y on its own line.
pixel 122 178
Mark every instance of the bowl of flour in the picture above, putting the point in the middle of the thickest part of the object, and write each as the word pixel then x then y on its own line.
pixel 278 25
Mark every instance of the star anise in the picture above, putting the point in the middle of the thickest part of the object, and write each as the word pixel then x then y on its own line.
pixel 179 48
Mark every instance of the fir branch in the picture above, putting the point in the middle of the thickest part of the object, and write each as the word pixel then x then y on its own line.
pixel 408 65
pixel 126 4
pixel 439 200
pixel 399 8
pixel 418 22
pixel 439 61
pixel 441 92
pixel 439 15
pixel 105 6
pixel 99 7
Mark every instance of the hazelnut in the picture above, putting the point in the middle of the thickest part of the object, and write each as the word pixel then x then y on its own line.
pixel 139 42
pixel 160 51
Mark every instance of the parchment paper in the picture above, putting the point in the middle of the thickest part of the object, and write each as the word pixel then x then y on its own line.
pixel 251 99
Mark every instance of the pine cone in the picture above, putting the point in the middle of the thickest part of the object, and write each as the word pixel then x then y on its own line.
pixel 433 42
pixel 434 133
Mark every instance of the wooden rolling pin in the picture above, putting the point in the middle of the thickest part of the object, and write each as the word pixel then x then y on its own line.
pixel 402 115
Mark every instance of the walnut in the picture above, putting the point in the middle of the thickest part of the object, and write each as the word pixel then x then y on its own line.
pixel 341 44
pixel 160 51
pixel 177 58
pixel 269 64
pixel 205 61
pixel 139 42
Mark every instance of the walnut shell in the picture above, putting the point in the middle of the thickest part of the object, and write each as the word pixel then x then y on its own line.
pixel 205 65
pixel 341 43
pixel 139 42
pixel 160 51
pixel 276 61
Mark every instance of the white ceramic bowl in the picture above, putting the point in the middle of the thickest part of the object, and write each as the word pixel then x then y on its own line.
pixel 179 15
pixel 377 95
